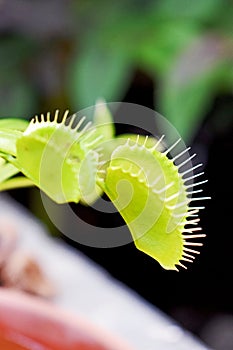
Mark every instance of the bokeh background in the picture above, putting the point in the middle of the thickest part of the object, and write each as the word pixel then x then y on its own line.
pixel 174 56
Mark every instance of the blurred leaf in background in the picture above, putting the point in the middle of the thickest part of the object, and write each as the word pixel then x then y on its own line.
pixel 31 35
pixel 186 47
pixel 199 74
pixel 59 53
pixel 16 94
pixel 99 72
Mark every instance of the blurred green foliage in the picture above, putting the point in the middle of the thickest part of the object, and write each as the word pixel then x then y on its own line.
pixel 70 53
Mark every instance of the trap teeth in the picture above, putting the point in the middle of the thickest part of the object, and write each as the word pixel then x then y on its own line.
pixel 172 146
pixel 196 184
pixel 191 250
pixel 194 236
pixel 72 120
pixel 188 256
pixel 191 169
pixel 79 123
pixel 48 116
pixel 182 265
pixel 193 177
pixel 192 229
pixel 157 143
pixel 186 259
pixel 146 139
pixel 56 115
pixel 193 192
pixel 186 161
pixel 65 117
pixel 180 154
pixel 193 244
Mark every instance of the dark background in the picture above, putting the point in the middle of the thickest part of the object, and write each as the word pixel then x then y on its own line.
pixel 171 56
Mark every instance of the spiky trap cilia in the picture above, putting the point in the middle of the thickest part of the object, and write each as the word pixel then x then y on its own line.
pixel 76 161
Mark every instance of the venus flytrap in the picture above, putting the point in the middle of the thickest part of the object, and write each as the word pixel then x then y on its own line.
pixel 76 161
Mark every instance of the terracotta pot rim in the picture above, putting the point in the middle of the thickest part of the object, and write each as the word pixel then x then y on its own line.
pixel 20 301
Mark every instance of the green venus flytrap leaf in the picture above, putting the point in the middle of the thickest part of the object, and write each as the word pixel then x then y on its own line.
pixel 14 123
pixel 10 131
pixel 150 194
pixel 76 161
pixel 103 131
pixel 51 154
pixel 7 170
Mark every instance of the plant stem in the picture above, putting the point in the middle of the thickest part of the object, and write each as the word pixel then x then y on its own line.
pixel 17 182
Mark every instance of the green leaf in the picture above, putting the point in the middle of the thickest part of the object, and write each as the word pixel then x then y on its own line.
pixel 13 51
pixel 44 144
pixel 143 183
pixel 138 181
pixel 105 131
pixel 69 148
pixel 188 89
pixel 7 170
pixel 89 191
pixel 194 10
pixel 16 182
pixel 8 140
pixel 163 41
pixel 98 73
pixel 103 120
pixel 13 123
pixel 149 41
pixel 16 95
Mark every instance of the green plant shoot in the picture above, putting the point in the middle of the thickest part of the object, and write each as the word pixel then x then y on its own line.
pixel 75 161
